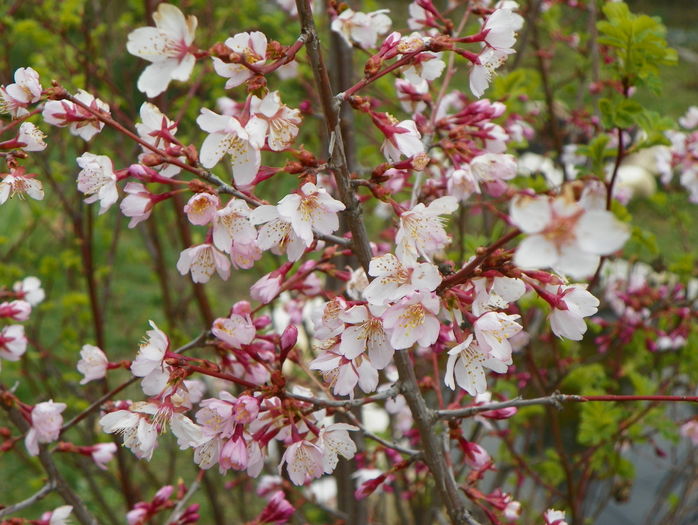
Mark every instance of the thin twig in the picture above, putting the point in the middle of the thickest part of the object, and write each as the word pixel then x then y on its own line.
pixel 42 492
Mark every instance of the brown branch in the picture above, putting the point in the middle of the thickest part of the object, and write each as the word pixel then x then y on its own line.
pixel 40 494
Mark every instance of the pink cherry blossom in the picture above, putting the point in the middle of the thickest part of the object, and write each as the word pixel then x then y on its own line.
pixel 690 430
pixel 422 232
pixel 466 364
pixel 554 517
pixel 304 461
pixel 16 97
pixel 97 180
pixel 335 441
pixel 157 130
pixel 93 363
pixel 137 204
pixel 103 453
pixel 228 136
pixel 365 334
pixel 202 208
pixel 413 320
pixel 361 28
pixel 79 121
pixel 401 138
pixel 393 280
pixel 235 330
pixel 564 235
pixel 167 46
pixel 277 233
pixel 266 288
pixel 232 226
pixel 46 423
pixel 279 122
pixel 345 374
pixel 278 511
pixel 13 342
pixel 202 261
pixel 17 310
pixel 252 47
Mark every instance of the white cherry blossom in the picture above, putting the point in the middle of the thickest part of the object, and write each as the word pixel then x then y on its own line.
pixel 421 231
pixel 97 180
pixel 201 208
pixel 277 233
pixel 500 29
pixel 80 122
pixel 574 303
pixel 202 261
pixel 139 435
pixel 466 364
pixel 493 331
pixel 154 127
pixel 279 122
pixel 394 280
pixel 32 137
pixel 232 226
pixel 167 46
pixel 365 334
pixel 151 353
pixel 413 320
pixel 13 342
pixel 26 89
pixel 30 290
pixel 362 28
pixel 252 47
pixel 304 461
pixel 484 68
pixel 334 442
pixel 312 208
pixel 19 184
pixel 46 423
pixel 495 292
pixel 401 138
pixel 93 363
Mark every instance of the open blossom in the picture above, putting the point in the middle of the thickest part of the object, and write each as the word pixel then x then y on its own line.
pixel 30 290
pixel 26 89
pixel 401 138
pixel 13 342
pixel 46 422
pixel 236 330
pixel 572 304
pixel 394 280
pixel 493 331
pixel 413 320
pixel 280 123
pixel 93 363
pixel 252 47
pixel 232 226
pixel 362 28
pixel 554 517
pixel 277 233
pixel 202 208
pixel 466 367
pixel 202 261
pixel 312 208
pixel 167 46
pixel 17 310
pixel 137 204
pixel 157 130
pixel 424 67
pixel 335 441
pixel 345 374
pixel 500 29
pixel 422 231
pixel 484 68
pixel 139 435
pixel 495 292
pixel 97 180
pixel 564 235
pixel 80 122
pixel 365 334
pixel 103 453
pixel 32 137
pixel 304 461
pixel 58 516
pixel 20 184
pixel 228 136
pixel 411 95
pixel 462 183
pixel 266 288
pixel 151 353
pixel 492 169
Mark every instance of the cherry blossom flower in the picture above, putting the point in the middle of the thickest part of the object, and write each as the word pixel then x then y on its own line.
pixel 97 179
pixel 485 66
pixel 492 169
pixel 280 123
pixel 17 310
pixel 401 138
pixel 393 280
pixel 462 183
pixel 266 288
pixel 496 291
pixel 235 330
pixel 13 342
pixel 168 46
pixel 466 364
pixel 102 453
pixel 277 233
pixel 231 226
pixel 202 261
pixel 80 122
pixel 20 184
pixel 252 47
pixel 421 230
pixel 475 456
pixel 563 235
pixel 424 67
pixel 228 136
pixel 151 353
pixel 58 516
pixel 335 441
pixel 312 208
pixel 690 430
pixel 554 517
pixel 278 511
pixel 93 363
pixel 500 29
pixel 202 208
pixel 14 98
pixel 31 137
pixel 413 320
pixel 304 461
pixel 139 435
pixel 46 423
pixel 30 290
pixel 572 304
pixel 157 130
pixel 365 334
pixel 362 28
pixel 137 204
pixel 412 95
pixel 345 374
pixel 420 18
pixel 493 330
